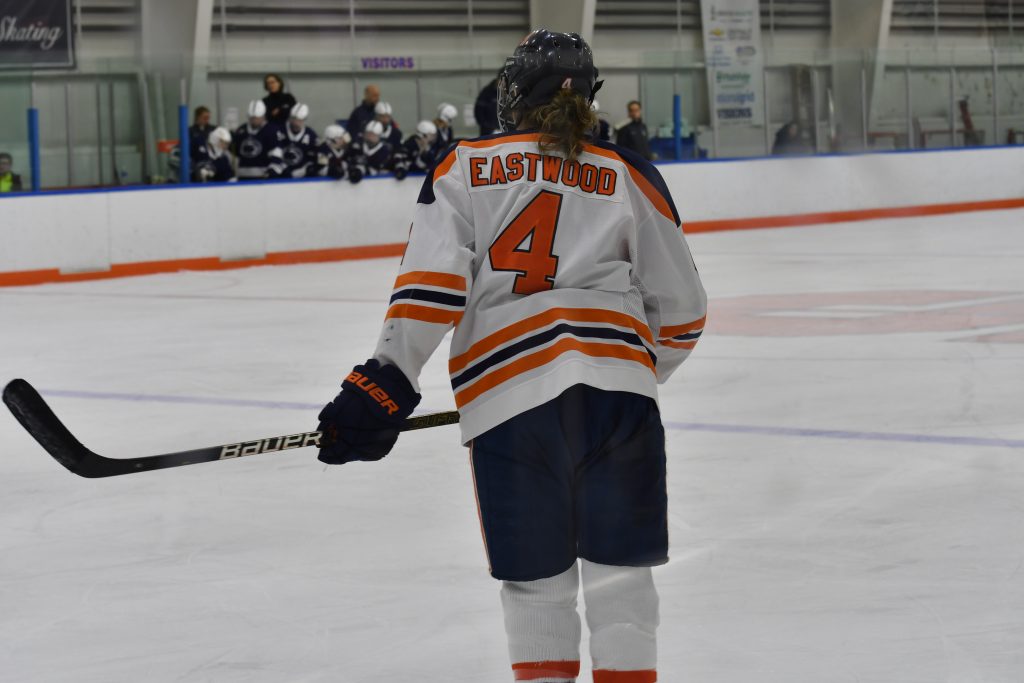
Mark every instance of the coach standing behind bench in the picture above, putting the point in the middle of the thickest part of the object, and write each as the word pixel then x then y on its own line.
pixel 633 135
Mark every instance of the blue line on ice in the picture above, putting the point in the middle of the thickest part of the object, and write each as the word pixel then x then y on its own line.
pixel 847 435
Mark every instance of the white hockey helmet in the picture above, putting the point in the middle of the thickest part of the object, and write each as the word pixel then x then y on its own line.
pixel 300 111
pixel 374 128
pixel 337 133
pixel 219 134
pixel 594 106
pixel 382 109
pixel 447 112
pixel 257 110
pixel 426 128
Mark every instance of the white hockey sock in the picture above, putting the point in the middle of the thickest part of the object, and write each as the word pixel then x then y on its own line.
pixel 543 627
pixel 622 613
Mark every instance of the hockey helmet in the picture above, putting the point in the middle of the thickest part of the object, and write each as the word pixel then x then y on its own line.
pixel 447 112
pixel 382 108
pixel 300 111
pixel 544 63
pixel 594 106
pixel 219 135
pixel 337 134
pixel 257 109
pixel 373 131
pixel 426 128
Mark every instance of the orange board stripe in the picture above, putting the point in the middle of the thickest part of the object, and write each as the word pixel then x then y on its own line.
pixel 424 314
pixel 532 671
pixel 643 676
pixel 807 219
pixel 507 334
pixel 673 330
pixel 535 360
pixel 423 277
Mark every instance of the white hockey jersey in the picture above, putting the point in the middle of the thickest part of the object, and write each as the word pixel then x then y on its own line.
pixel 554 273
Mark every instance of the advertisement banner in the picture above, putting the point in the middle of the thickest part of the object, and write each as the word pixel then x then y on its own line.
pixel 735 61
pixel 36 34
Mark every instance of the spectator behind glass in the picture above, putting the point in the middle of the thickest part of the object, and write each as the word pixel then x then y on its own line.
pixel 790 142
pixel 485 111
pixel 9 180
pixel 364 112
pixel 633 133
pixel 278 102
pixel 200 129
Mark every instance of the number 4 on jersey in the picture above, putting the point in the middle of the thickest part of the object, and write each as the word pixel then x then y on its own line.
pixel 526 245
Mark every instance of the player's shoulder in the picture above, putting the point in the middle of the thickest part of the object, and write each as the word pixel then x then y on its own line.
pixel 644 175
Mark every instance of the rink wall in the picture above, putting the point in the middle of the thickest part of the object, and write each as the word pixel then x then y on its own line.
pixel 67 236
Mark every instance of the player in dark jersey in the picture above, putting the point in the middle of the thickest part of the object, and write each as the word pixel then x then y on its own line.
pixel 371 154
pixel 391 133
pixel 296 153
pixel 253 141
pixel 331 154
pixel 417 153
pixel 212 161
pixel 446 114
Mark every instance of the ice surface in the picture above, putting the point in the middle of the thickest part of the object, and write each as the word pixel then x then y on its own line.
pixel 846 477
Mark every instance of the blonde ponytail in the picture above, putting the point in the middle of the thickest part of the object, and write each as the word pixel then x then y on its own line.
pixel 564 123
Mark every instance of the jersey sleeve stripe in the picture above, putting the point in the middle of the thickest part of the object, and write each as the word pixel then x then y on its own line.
pixel 690 345
pixel 431 296
pixel 424 314
pixel 423 277
pixel 668 331
pixel 507 334
pixel 545 337
pixel 545 356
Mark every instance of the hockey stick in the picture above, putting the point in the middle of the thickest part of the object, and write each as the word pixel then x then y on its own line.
pixel 38 419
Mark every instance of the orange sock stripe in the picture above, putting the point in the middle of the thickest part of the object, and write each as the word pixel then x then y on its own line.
pixel 608 676
pixel 424 314
pixel 424 277
pixel 535 360
pixel 535 671
pixel 673 330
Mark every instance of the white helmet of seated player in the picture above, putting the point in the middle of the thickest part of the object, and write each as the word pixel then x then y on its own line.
pixel 446 113
pixel 336 136
pixel 383 112
pixel 257 113
pixel 427 131
pixel 219 139
pixel 594 106
pixel 299 114
pixel 372 132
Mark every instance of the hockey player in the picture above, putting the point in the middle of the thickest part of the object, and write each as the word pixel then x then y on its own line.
pixel 418 152
pixel 253 142
pixel 370 155
pixel 331 154
pixel 212 161
pixel 296 153
pixel 563 268
pixel 603 130
pixel 446 114
pixel 391 135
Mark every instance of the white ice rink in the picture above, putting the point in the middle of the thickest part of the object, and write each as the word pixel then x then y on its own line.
pixel 846 453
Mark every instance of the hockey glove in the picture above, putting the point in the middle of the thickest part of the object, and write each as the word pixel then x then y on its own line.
pixel 364 421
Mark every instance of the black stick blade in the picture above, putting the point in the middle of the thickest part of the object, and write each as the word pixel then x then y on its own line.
pixel 29 408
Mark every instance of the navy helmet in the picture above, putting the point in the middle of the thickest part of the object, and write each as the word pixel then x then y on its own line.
pixel 544 63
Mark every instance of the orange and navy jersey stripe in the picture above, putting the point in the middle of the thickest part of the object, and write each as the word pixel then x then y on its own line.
pixel 541 339
pixel 681 336
pixel 429 297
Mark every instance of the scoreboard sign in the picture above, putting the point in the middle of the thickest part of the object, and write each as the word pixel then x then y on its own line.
pixel 36 34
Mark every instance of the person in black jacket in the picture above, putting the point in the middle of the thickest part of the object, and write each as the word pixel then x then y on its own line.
pixel 485 111
pixel 278 102
pixel 9 180
pixel 200 129
pixel 364 112
pixel 633 135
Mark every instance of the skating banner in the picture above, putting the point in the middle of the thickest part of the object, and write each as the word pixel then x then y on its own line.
pixel 735 61
pixel 36 34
